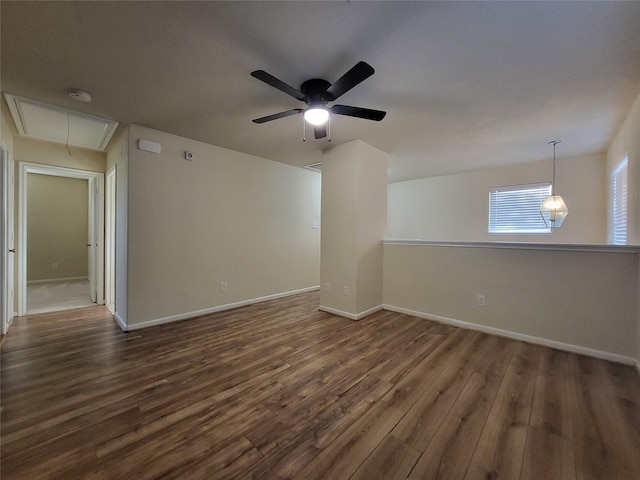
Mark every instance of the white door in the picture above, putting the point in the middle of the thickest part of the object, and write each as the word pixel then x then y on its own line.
pixel 8 240
pixel 110 241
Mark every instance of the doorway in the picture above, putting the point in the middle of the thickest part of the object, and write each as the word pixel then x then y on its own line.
pixel 93 242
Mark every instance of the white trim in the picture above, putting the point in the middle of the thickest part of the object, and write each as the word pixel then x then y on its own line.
pixel 7 239
pixel 53 280
pixel 613 357
pixel 351 316
pixel 109 239
pixel 24 170
pixel 521 246
pixel 207 311
pixel 121 323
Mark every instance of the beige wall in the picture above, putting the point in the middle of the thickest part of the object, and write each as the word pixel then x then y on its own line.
pixel 354 187
pixel 47 153
pixel 57 227
pixel 585 299
pixel 222 217
pixel 455 207
pixel 7 129
pixel 627 142
pixel 339 246
pixel 118 156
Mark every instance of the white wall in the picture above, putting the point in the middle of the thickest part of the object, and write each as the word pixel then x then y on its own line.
pixel 222 217
pixel 455 207
pixel 584 299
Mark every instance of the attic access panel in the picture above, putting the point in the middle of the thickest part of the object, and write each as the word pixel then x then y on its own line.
pixel 54 124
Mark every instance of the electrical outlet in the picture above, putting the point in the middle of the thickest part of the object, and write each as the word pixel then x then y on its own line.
pixel 223 286
pixel 55 266
pixel 346 290
pixel 481 301
pixel 327 287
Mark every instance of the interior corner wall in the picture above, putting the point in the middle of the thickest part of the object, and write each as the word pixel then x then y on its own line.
pixel 223 216
pixel 455 207
pixel 118 156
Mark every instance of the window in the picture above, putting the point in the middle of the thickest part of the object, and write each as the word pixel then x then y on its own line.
pixel 619 204
pixel 516 208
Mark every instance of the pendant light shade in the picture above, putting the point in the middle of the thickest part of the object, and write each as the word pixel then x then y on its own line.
pixel 554 210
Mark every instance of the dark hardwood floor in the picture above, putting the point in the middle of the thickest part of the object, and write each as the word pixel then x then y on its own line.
pixel 280 390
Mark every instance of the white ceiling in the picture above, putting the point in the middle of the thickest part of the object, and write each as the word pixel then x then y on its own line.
pixel 467 85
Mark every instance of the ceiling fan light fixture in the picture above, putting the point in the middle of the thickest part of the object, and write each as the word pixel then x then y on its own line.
pixel 316 115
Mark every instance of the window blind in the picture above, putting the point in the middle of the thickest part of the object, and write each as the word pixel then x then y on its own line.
pixel 619 187
pixel 516 208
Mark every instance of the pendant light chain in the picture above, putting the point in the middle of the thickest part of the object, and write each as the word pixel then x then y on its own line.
pixel 553 181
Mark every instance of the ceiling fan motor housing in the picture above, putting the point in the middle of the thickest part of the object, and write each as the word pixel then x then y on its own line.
pixel 315 91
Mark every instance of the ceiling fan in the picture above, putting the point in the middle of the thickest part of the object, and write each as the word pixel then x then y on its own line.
pixel 316 93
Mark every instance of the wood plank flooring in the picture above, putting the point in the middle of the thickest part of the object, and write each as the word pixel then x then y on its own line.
pixel 281 390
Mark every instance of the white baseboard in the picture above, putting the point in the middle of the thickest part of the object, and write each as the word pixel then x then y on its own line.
pixel 54 280
pixel 187 315
pixel 352 316
pixel 121 323
pixel 613 357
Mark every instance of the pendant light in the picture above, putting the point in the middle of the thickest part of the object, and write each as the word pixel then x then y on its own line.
pixel 554 210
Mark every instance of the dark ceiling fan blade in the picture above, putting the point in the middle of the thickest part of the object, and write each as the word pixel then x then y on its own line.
pixel 360 72
pixel 359 112
pixel 320 131
pixel 276 116
pixel 276 83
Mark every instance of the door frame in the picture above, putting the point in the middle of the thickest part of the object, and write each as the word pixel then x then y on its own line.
pixel 110 240
pixel 7 239
pixel 96 220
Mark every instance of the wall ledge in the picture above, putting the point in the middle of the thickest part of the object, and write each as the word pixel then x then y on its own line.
pixel 521 246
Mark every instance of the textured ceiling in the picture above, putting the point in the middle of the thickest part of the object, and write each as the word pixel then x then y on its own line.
pixel 467 85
